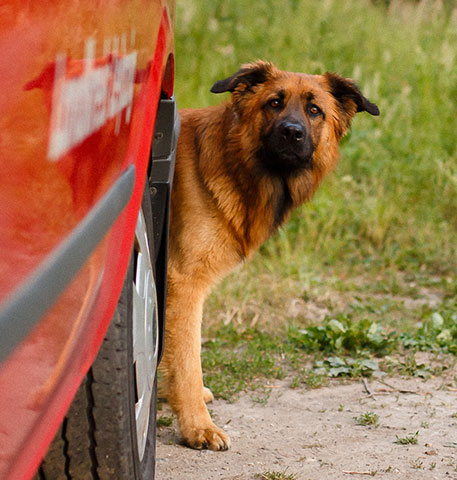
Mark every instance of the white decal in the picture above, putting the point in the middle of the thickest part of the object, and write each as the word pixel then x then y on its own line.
pixel 82 105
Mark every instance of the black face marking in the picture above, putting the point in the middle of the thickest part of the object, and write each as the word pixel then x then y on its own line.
pixel 283 204
pixel 285 161
pixel 287 146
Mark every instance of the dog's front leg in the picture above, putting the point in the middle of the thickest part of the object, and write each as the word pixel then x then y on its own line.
pixel 182 371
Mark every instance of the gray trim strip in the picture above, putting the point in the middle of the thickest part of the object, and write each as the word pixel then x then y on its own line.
pixel 39 292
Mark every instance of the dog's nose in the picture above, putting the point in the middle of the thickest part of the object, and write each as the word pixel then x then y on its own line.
pixel 292 131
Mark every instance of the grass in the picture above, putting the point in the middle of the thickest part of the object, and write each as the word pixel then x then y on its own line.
pixel 273 475
pixel 367 419
pixel 236 359
pixel 365 275
pixel 410 439
pixel 164 421
pixel 417 463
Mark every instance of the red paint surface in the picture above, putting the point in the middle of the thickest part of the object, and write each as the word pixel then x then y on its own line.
pixel 42 200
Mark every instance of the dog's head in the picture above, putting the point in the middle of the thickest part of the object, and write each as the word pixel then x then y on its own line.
pixel 294 115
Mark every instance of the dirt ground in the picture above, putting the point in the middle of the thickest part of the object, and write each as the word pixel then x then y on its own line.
pixel 313 434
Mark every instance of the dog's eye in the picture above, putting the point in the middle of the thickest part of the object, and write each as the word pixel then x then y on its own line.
pixel 275 103
pixel 314 110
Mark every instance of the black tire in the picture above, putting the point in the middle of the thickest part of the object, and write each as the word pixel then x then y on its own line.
pixel 98 438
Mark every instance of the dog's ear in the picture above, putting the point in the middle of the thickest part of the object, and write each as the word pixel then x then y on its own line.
pixel 347 92
pixel 350 100
pixel 246 77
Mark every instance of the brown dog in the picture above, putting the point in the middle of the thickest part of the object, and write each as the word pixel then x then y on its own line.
pixel 241 168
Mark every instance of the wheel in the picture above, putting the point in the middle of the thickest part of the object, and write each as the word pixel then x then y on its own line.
pixel 109 431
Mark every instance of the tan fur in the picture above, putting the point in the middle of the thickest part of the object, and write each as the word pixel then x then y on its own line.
pixel 223 210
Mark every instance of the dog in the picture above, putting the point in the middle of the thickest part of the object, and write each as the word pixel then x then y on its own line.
pixel 241 168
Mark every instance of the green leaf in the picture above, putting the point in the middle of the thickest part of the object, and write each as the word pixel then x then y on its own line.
pixel 337 327
pixel 369 364
pixel 336 361
pixel 444 337
pixel 437 321
pixel 337 371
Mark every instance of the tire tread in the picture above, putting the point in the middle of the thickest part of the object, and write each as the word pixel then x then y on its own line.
pixel 96 437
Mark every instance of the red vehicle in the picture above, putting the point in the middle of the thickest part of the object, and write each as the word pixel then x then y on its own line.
pixel 88 129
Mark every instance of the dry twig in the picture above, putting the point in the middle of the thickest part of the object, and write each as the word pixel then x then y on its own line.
pixel 367 388
pixel 395 389
pixel 351 472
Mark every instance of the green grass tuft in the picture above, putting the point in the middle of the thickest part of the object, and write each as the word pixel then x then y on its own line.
pixel 367 419
pixel 273 475
pixel 164 421
pixel 410 439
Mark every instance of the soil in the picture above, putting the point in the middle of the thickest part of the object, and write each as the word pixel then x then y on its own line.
pixel 313 434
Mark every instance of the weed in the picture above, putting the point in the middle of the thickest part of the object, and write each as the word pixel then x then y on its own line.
pixel 164 421
pixel 367 419
pixel 295 382
pixel 435 333
pixel 346 367
pixel 342 334
pixel 410 439
pixel 277 476
pixel 314 379
pixel 408 366
pixel 417 463
pixel 261 397
pixel 239 358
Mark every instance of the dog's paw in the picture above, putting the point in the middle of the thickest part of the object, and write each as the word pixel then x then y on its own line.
pixel 208 397
pixel 211 437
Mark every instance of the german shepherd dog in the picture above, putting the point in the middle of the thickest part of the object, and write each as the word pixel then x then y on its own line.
pixel 241 168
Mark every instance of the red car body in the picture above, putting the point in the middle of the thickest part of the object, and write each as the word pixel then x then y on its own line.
pixel 80 84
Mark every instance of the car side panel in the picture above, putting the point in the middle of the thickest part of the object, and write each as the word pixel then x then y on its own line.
pixel 50 183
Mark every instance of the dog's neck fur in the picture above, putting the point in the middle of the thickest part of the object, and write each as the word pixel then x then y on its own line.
pixel 242 174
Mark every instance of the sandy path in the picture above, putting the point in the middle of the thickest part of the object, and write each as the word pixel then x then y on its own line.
pixel 313 435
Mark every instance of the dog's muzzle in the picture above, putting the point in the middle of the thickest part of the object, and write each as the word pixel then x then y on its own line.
pixel 288 147
pixel 292 132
